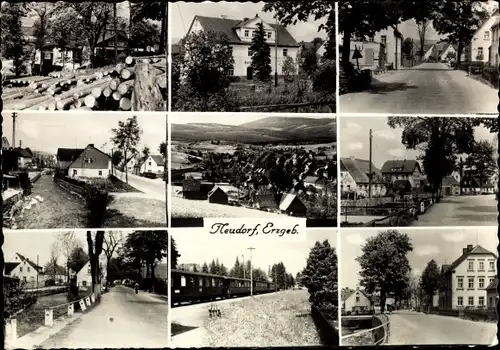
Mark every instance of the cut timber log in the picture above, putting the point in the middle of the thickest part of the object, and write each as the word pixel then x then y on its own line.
pixel 20 105
pixel 106 92
pixel 64 104
pixel 90 101
pixel 161 81
pixel 113 85
pixel 126 74
pixel 130 61
pixel 125 87
pixel 146 95
pixel 125 104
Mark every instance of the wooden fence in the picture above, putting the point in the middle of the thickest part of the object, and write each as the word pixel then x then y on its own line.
pixel 72 188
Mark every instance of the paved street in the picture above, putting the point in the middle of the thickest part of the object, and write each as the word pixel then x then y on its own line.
pixel 153 188
pixel 122 320
pixel 412 328
pixel 461 211
pixel 428 88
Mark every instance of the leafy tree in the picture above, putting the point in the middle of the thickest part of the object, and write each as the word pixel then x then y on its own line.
pixel 145 34
pixel 126 138
pixel 110 245
pixel 289 69
pixel 451 56
pixel 384 263
pixel 117 157
pixel 430 281
pixel 95 250
pixel 77 259
pixel 51 266
pixel 322 77
pixel 320 276
pixel 440 140
pixel 155 10
pixel 482 160
pixel 407 48
pixel 145 153
pixel 13 42
pixel 309 60
pixel 206 61
pixel 41 26
pixel 459 21
pixel 261 54
pixel 163 149
pixel 174 254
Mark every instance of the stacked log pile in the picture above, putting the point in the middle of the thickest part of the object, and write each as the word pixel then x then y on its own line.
pixel 138 84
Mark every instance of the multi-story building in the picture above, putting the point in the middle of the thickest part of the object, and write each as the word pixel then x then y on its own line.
pixel 480 48
pixel 410 170
pixel 239 34
pixel 467 279
pixel 356 177
pixel 495 31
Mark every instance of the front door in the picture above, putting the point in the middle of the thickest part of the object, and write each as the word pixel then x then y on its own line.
pixel 369 56
pixel 249 73
pixel 47 60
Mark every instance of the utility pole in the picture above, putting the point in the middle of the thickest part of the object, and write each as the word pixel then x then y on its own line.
pixel 14 117
pixel 276 55
pixel 370 168
pixel 37 272
pixel 251 274
pixel 461 175
pixel 284 272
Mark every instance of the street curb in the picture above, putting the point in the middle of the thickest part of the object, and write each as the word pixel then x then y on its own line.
pixel 34 339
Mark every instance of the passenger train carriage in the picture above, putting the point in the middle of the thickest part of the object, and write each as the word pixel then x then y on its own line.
pixel 188 286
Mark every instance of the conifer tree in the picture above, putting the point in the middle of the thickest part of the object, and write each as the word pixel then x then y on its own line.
pixel 261 55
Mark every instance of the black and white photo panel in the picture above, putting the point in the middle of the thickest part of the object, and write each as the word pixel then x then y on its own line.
pixel 262 292
pixel 410 286
pixel 409 60
pixel 84 170
pixel 93 56
pixel 253 57
pixel 86 289
pixel 418 171
pixel 253 166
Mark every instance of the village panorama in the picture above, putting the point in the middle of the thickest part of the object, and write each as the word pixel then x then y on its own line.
pixel 248 166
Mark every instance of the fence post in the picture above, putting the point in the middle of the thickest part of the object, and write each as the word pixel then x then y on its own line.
pixel 49 318
pixel 82 305
pixel 10 332
pixel 422 207
pixel 87 301
pixel 92 297
pixel 71 310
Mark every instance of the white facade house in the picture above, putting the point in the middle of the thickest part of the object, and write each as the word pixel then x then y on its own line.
pixel 480 47
pixel 23 268
pixel 89 162
pixel 239 34
pixel 449 49
pixel 153 164
pixel 468 278
pixel 358 301
pixel 84 276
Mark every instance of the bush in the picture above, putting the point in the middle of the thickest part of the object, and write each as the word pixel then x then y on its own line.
pixel 50 282
pixel 324 78
pixel 97 199
pixel 16 299
pixel 150 175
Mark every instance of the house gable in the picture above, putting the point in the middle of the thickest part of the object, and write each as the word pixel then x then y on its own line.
pixel 91 158
pixel 477 250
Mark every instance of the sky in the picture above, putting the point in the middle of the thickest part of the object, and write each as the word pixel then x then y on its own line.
pixel 230 118
pixel 443 245
pixel 386 142
pixel 198 246
pixel 183 14
pixel 47 132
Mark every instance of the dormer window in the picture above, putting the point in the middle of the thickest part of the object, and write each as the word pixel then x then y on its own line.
pixel 89 160
pixel 247 32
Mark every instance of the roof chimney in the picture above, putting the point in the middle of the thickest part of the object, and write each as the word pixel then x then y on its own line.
pixel 245 19
pixel 464 251
pixel 20 143
pixel 469 247
pixel 91 144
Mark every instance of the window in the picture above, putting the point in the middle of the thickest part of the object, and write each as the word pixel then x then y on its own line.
pixel 149 163
pixel 230 72
pixel 100 172
pixel 269 35
pixel 24 279
pixel 200 281
pixel 75 172
pixel 471 265
pixel 479 51
pixel 383 39
pixel 213 282
pixel 254 33
pixel 20 269
pixel 183 281
pixel 481 266
pixel 246 32
pixel 89 271
pixel 471 301
pixel 89 160
pixel 481 301
pixel 357 299
pixel 32 278
pixel 285 52
pixel 249 52
pixel 487 35
pixel 460 284
pixel 471 282
pixel 492 265
pixel 28 268
pixel 84 283
pixel 481 282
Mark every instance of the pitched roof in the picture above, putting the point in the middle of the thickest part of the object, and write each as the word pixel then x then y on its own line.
pixel 450 181
pixel 359 170
pixel 402 166
pixel 215 189
pixel 5 142
pixel 360 291
pixel 226 26
pixel 493 285
pixel 24 152
pixel 311 179
pixel 287 200
pixel 477 250
pixel 158 159
pixel 9 266
pixel 68 154
pixel 35 266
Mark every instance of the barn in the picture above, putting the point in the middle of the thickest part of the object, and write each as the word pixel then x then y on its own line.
pixel 217 195
pixel 292 205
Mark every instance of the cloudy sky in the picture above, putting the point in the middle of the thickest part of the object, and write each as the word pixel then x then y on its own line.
pixel 443 245
pixel 386 143
pixel 230 118
pixel 48 132
pixel 198 246
pixel 183 14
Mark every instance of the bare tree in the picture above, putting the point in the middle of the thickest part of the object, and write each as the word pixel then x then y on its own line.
pixel 110 244
pixel 67 242
pixel 422 26
pixel 95 249
pixel 54 256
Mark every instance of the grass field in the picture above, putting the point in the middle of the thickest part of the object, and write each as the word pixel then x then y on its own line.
pixel 277 319
pixel 117 185
pixel 136 212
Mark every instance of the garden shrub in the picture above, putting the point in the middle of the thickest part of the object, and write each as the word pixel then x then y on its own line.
pixel 16 299
pixel 97 199
pixel 324 78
